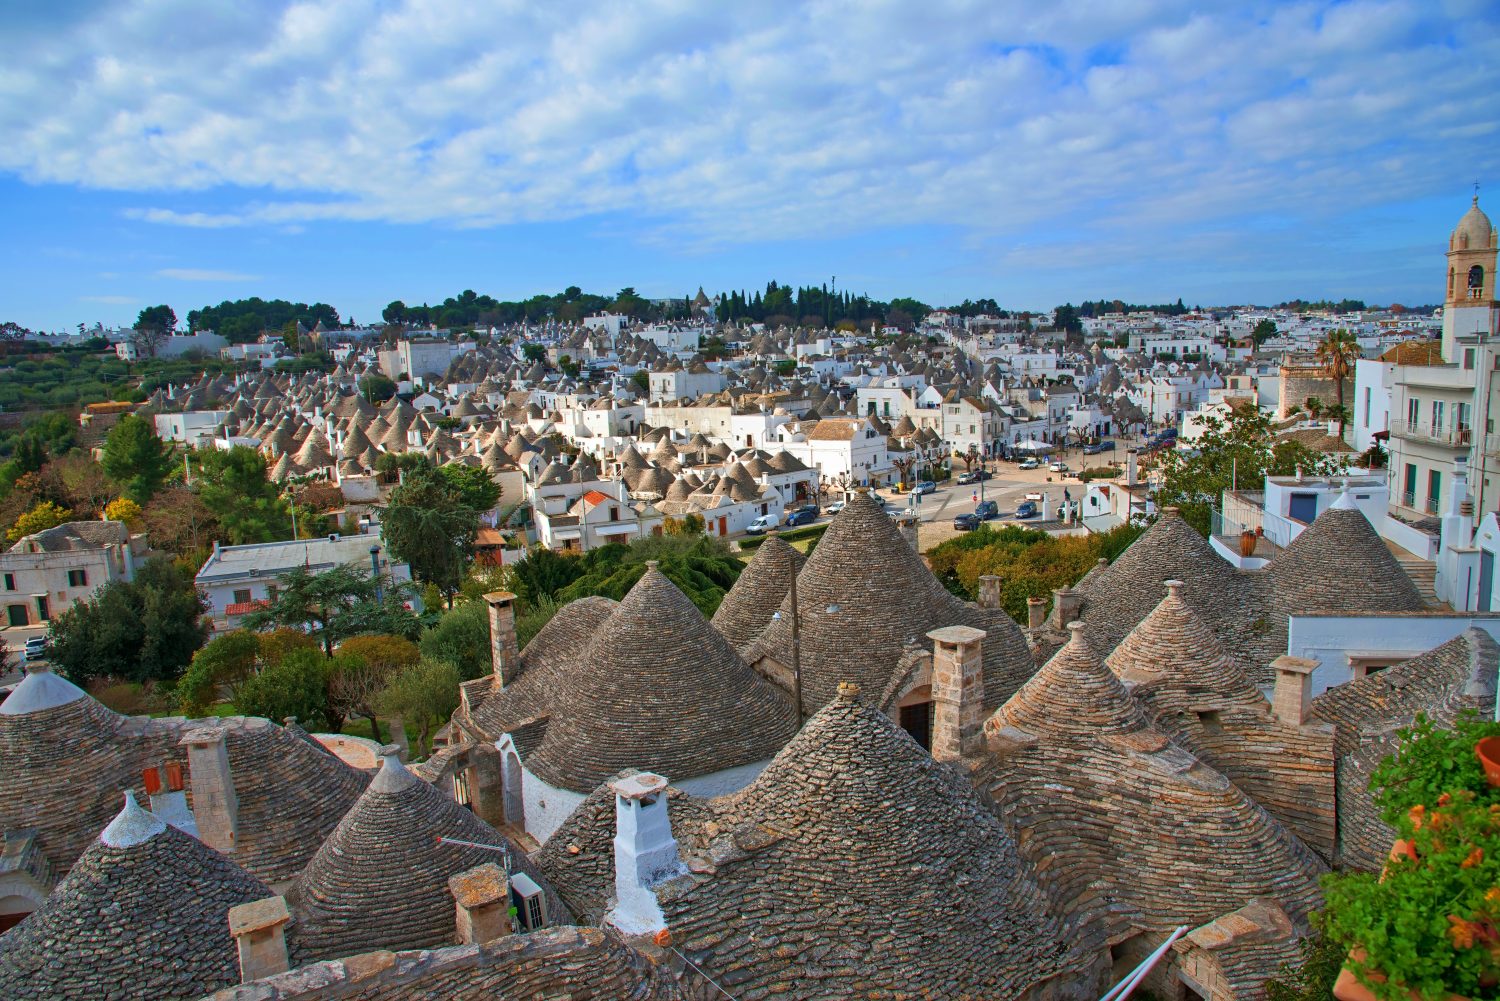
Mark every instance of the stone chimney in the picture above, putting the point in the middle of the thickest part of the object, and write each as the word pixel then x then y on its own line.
pixel 645 853
pixel 259 930
pixel 505 657
pixel 1065 605
pixel 957 692
pixel 989 591
pixel 216 808
pixel 1036 613
pixel 482 899
pixel 1292 697
pixel 1130 468
pixel 168 800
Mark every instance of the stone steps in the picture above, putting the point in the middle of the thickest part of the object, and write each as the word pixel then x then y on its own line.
pixel 1423 574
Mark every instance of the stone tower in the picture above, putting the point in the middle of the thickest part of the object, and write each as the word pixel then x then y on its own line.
pixel 1469 306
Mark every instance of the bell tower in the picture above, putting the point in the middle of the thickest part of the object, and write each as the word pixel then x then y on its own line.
pixel 1469 307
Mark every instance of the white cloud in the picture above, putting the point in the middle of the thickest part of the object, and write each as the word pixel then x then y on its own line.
pixel 204 275
pixel 723 123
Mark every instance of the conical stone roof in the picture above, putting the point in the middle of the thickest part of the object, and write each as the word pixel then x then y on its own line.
pixel 758 593
pixel 909 872
pixel 380 881
pixel 143 914
pixel 866 599
pixel 659 689
pixel 1340 564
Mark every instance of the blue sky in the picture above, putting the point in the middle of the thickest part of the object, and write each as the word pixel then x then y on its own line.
pixel 359 151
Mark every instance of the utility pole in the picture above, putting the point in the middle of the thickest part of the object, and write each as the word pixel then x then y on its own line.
pixel 791 562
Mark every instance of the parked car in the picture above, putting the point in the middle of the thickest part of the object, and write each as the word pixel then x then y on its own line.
pixel 36 648
pixel 966 478
pixel 834 508
pixel 1058 466
pixel 966 522
pixel 802 516
pixel 1027 509
pixel 985 510
pixel 924 487
pixel 763 524
pixel 1098 448
pixel 1031 464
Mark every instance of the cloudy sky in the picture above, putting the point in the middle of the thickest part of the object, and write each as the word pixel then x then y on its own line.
pixel 358 151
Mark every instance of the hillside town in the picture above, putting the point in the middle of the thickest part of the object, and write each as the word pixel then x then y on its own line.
pixel 713 663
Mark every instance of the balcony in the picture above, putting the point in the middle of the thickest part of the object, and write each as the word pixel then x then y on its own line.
pixel 1409 501
pixel 1455 438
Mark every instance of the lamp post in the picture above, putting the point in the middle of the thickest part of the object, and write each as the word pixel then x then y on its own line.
pixel 375 573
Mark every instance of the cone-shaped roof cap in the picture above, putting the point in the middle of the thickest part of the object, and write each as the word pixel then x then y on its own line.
pixel 659 689
pixel 758 593
pixel 380 881
pixel 142 914
pixel 865 599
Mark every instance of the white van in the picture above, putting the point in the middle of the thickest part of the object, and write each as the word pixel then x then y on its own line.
pixel 763 524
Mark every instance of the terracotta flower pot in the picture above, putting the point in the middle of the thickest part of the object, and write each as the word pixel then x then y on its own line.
pixel 1348 988
pixel 1247 543
pixel 1488 753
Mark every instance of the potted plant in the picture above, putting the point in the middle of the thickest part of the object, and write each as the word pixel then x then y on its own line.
pixel 1429 925
pixel 1432 761
pixel 1247 543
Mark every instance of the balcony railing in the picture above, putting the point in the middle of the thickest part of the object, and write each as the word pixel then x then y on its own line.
pixel 1428 505
pixel 1459 437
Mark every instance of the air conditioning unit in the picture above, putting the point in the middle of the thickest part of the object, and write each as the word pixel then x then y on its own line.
pixel 529 901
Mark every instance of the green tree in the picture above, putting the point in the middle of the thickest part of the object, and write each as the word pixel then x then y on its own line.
pixel 335 604
pixel 1338 352
pixel 142 630
pixel 428 526
pixel 1263 331
pixel 533 352
pixel 376 388
pixel 136 458
pixel 239 497
pixel 473 485
pixel 297 685
pixel 642 380
pixel 365 667
pixel 157 318
pixel 1238 448
pixel 461 637
pixel 424 695
pixel 40 518
pixel 218 669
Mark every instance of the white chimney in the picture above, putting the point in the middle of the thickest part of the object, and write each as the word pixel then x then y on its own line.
pixel 645 853
pixel 1130 468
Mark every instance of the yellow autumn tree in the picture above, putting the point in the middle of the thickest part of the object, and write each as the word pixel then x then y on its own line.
pixel 123 509
pixel 40 518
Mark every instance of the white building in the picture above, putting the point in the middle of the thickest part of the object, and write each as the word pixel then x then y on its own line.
pixel 237 580
pixel 846 451
pixel 194 428
pixel 43 574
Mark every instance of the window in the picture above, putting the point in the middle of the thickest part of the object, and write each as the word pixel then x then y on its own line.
pixel 1476 282
pixel 271 592
pixel 1413 411
pixel 1468 359
pixel 1437 416
pixel 10 582
pixel 242 596
pixel 78 578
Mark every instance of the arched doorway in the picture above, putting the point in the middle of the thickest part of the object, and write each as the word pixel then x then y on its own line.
pixel 13 910
pixel 915 710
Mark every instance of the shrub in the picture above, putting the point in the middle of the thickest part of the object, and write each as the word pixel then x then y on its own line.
pixel 217 671
pixel 1432 761
pixel 423 695
pixel 297 685
pixel 461 637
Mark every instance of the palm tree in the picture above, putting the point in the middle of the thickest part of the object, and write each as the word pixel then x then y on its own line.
pixel 1338 353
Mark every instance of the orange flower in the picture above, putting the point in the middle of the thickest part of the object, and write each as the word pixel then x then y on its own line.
pixel 1475 857
pixel 1415 816
pixel 1445 799
pixel 1492 895
pixel 1460 932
